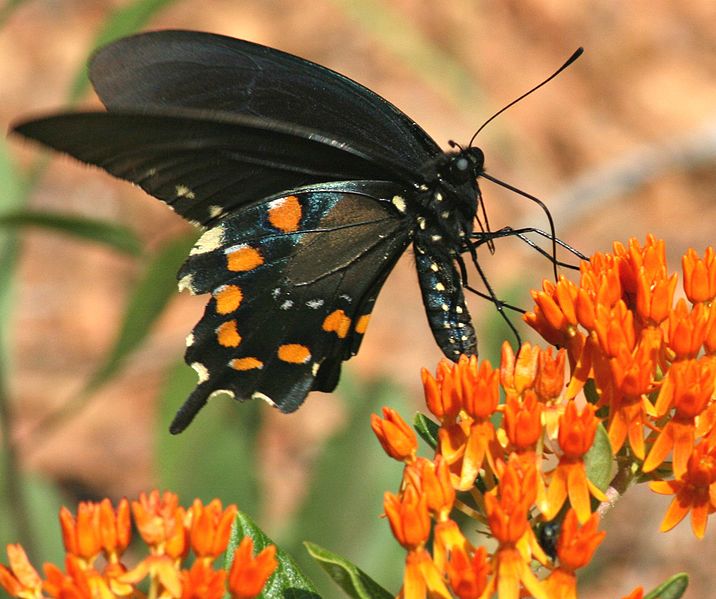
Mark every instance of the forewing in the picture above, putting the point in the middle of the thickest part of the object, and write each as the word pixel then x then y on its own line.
pixel 203 164
pixel 292 282
pixel 208 71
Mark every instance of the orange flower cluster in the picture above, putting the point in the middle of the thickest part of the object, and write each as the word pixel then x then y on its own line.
pixel 490 464
pixel 648 370
pixel 98 535
pixel 652 363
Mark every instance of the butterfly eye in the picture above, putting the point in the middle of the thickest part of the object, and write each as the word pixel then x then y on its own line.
pixel 459 169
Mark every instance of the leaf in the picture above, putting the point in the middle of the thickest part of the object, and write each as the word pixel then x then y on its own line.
pixel 599 460
pixel 115 236
pixel 123 21
pixel 427 429
pixel 673 588
pixel 350 578
pixel 151 294
pixel 287 582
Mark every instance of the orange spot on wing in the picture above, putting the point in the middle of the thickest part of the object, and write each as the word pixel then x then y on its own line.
pixel 337 322
pixel 286 214
pixel 362 324
pixel 228 298
pixel 243 258
pixel 227 335
pixel 294 353
pixel 246 363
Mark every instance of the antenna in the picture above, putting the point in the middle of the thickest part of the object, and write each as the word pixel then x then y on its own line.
pixel 577 53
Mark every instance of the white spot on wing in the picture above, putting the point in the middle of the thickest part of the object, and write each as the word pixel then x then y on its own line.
pixel 399 203
pixel 276 203
pixel 315 367
pixel 228 392
pixel 286 305
pixel 215 211
pixel 187 282
pixel 183 191
pixel 234 248
pixel 314 304
pixel 266 398
pixel 190 339
pixel 201 370
pixel 439 287
pixel 209 241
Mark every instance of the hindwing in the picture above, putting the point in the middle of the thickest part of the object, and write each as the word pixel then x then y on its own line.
pixel 292 280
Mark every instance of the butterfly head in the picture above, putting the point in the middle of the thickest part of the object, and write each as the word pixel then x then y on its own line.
pixel 462 165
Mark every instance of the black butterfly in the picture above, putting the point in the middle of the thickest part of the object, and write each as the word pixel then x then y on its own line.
pixel 310 187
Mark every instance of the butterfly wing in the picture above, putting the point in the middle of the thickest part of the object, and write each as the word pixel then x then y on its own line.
pixel 203 164
pixel 292 281
pixel 207 71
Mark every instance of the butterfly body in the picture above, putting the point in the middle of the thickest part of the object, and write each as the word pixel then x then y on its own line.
pixel 310 188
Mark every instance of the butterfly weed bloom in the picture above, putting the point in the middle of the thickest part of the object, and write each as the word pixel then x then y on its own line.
pixel 96 538
pixel 490 463
pixel 651 360
pixel 516 447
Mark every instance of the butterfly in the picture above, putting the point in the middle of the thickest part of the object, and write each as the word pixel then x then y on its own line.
pixel 309 187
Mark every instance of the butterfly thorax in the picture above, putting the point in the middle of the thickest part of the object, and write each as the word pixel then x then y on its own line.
pixel 447 204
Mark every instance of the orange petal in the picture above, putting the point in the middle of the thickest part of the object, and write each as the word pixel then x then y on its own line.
pixel 579 492
pixel 675 514
pixel 661 448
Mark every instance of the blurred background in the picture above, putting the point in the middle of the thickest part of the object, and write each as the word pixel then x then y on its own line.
pixel 92 331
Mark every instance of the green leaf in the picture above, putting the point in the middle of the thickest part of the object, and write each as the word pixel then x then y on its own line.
pixel 673 588
pixel 149 298
pixel 427 429
pixel 350 578
pixel 115 236
pixel 123 21
pixel 287 582
pixel 599 460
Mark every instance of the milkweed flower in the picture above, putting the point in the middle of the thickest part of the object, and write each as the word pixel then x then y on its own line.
pixel 396 437
pixel 170 531
pixel 652 360
pixel 575 547
pixel 249 573
pixel 20 579
pixel 694 492
pixel 576 435
pixel 641 369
